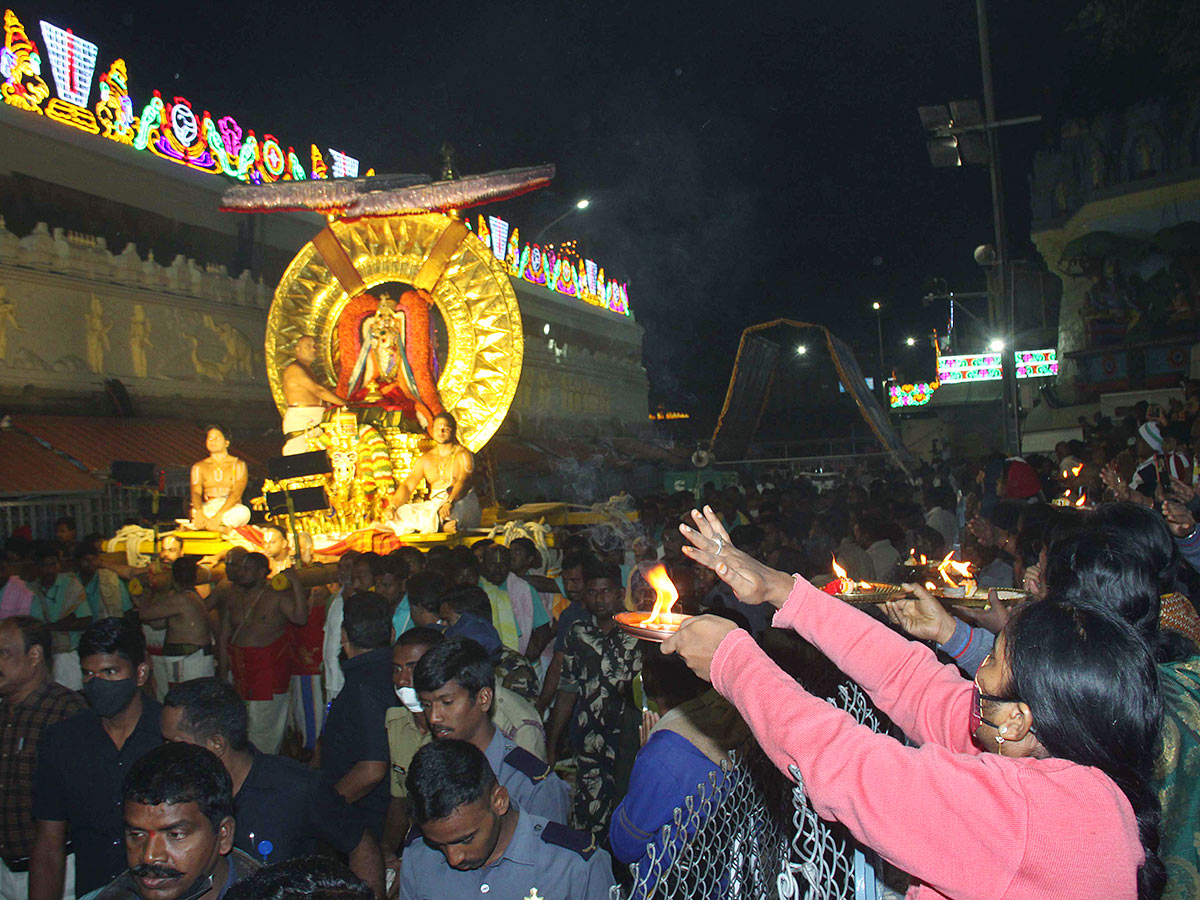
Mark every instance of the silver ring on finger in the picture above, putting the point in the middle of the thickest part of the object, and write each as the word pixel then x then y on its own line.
pixel 720 545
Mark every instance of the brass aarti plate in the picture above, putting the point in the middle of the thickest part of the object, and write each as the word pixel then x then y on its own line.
pixel 878 593
pixel 632 623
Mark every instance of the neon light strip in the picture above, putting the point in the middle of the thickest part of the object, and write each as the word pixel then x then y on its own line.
pixel 172 131
pixel 559 270
pixel 987 366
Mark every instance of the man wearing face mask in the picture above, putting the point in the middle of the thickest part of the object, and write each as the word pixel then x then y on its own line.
pixel 178 811
pixel 83 760
pixel 284 809
pixel 408 728
pixel 476 840
pixel 456 685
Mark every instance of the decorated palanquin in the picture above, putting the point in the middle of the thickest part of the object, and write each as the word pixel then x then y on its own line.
pixel 412 315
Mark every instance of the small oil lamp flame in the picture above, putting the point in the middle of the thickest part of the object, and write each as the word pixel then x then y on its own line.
pixel 665 594
pixel 1075 470
pixel 1081 501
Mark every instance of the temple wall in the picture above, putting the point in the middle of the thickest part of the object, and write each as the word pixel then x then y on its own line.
pixel 140 277
pixel 186 341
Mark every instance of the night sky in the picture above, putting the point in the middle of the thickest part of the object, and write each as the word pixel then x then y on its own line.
pixel 739 168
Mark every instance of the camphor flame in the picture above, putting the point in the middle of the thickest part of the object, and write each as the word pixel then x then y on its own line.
pixel 665 593
pixel 963 569
pixel 838 570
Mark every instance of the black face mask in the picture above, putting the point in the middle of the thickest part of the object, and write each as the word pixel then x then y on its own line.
pixel 107 697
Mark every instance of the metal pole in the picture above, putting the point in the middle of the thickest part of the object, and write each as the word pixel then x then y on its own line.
pixel 879 330
pixel 1002 301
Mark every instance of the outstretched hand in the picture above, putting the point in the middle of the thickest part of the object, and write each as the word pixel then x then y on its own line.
pixel 752 581
pixel 921 615
pixel 1179 519
pixel 1114 482
pixel 697 641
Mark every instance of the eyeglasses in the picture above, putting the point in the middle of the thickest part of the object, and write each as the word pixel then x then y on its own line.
pixel 980 696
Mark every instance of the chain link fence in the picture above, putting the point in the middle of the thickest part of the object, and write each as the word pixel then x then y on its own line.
pixel 751 834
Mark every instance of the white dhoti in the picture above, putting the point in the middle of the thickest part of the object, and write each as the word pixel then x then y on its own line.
pixel 303 419
pixel 234 517
pixel 422 517
pixel 172 670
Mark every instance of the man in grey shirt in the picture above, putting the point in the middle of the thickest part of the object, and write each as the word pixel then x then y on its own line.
pixel 474 840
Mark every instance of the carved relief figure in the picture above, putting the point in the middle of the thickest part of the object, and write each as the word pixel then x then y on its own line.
pixel 98 328
pixel 204 368
pixel 8 316
pixel 239 356
pixel 139 340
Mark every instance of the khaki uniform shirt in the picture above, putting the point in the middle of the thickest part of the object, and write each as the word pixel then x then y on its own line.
pixel 512 714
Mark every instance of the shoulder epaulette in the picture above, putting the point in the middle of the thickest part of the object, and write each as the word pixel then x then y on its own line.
pixel 560 835
pixel 527 764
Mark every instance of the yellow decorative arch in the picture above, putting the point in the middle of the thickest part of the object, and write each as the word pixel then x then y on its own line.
pixel 473 293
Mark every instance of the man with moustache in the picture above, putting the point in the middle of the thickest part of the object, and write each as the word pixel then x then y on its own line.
pixel 456 685
pixel 82 762
pixel 408 729
pixel 178 812
pixel 30 702
pixel 283 809
pixel 476 840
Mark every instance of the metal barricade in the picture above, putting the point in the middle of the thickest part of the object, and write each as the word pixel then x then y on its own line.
pixel 751 834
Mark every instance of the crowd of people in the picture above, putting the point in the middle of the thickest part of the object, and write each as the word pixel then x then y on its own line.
pixel 471 719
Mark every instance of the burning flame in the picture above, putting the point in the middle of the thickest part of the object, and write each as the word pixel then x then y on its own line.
pixel 838 570
pixel 924 559
pixel 665 593
pixel 1075 470
pixel 930 586
pixel 962 569
pixel 1081 501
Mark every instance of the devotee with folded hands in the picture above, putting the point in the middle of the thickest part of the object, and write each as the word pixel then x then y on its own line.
pixel 1030 782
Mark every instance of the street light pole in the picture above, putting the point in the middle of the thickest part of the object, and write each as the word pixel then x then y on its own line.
pixel 578 207
pixel 1002 302
pixel 878 307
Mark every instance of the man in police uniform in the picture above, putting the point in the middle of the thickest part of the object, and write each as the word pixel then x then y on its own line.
pixel 476 840
pixel 408 729
pixel 456 685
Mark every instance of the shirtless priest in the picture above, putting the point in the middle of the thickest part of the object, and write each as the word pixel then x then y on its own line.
pixel 218 483
pixel 447 469
pixel 305 398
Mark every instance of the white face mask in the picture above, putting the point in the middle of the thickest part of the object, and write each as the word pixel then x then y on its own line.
pixel 408 697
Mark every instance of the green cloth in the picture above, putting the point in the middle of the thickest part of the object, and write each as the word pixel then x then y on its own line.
pixel 58 601
pixel 1177 779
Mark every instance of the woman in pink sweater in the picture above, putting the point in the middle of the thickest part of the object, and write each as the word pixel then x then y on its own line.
pixel 1030 784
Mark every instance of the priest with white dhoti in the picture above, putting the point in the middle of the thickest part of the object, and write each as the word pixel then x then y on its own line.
pixel 306 398
pixel 447 469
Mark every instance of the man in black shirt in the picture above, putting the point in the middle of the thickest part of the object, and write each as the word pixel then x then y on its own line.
pixel 178 810
pixel 354 747
pixel 282 807
pixel 83 760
